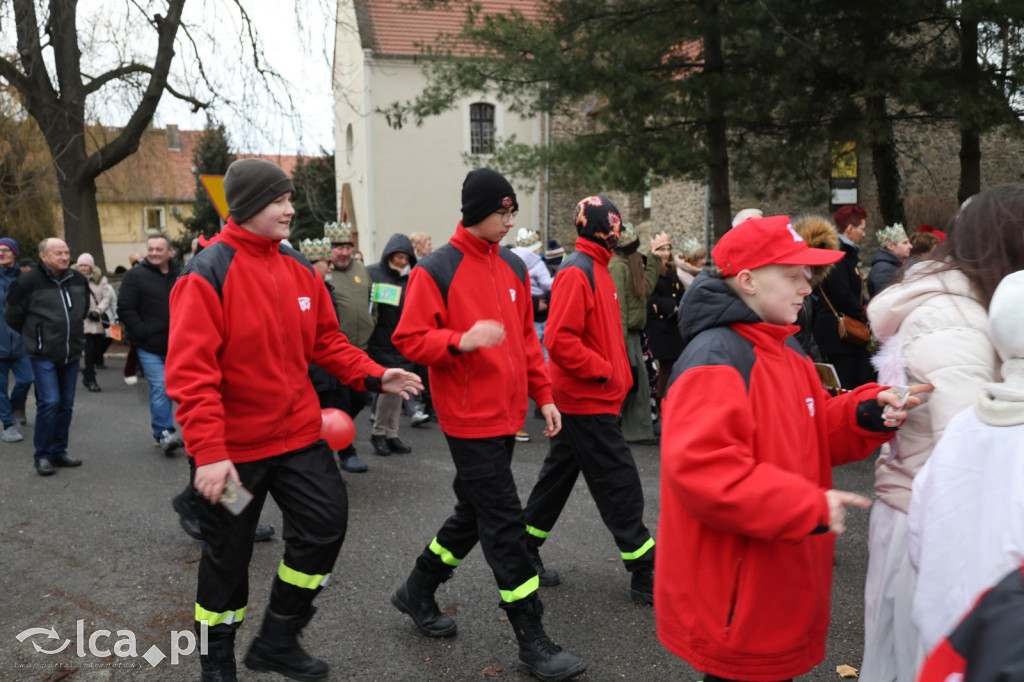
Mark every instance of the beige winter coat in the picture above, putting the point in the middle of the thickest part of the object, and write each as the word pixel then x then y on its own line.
pixel 99 300
pixel 936 328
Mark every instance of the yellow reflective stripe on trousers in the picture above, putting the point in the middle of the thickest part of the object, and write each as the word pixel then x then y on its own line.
pixel 446 557
pixel 626 556
pixel 521 592
pixel 300 579
pixel 537 532
pixel 224 618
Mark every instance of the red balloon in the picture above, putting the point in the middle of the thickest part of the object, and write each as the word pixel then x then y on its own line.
pixel 337 428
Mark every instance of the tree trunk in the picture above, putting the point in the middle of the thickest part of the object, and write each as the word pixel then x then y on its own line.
pixel 716 127
pixel 78 200
pixel 61 113
pixel 885 161
pixel 970 144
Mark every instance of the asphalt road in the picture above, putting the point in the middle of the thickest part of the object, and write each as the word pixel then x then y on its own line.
pixel 99 548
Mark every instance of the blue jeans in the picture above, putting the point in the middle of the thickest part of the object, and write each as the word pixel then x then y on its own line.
pixel 161 412
pixel 55 394
pixel 22 368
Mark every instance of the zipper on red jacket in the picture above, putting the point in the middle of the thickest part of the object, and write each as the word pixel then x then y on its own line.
pixel 735 596
pixel 492 256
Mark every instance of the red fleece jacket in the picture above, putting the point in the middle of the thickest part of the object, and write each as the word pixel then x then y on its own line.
pixel 247 320
pixel 586 348
pixel 742 580
pixel 480 394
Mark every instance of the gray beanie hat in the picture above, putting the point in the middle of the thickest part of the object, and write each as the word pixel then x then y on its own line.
pixel 251 184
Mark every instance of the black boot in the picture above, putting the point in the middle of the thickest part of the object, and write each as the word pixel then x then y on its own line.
pixel 219 661
pixel 380 446
pixel 276 648
pixel 641 586
pixel 185 504
pixel 548 578
pixel 538 654
pixel 415 597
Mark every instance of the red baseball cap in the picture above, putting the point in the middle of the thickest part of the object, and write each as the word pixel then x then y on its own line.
pixel 757 242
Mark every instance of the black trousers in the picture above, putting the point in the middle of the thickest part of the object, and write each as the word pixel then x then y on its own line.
pixel 93 355
pixel 308 487
pixel 593 444
pixel 488 510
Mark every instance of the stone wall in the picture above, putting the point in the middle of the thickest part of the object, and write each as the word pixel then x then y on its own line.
pixel 929 162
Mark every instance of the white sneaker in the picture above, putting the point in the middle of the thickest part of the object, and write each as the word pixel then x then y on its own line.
pixel 170 441
pixel 522 436
pixel 132 380
pixel 420 418
pixel 12 434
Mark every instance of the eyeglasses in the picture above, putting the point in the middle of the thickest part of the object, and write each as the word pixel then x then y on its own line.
pixel 504 216
pixel 6 249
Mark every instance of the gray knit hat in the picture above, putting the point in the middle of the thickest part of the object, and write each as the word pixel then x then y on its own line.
pixel 251 184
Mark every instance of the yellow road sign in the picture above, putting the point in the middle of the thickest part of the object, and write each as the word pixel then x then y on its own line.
pixel 214 186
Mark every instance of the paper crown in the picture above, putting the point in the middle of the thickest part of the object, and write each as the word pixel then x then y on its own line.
pixel 528 238
pixel 659 240
pixel 338 233
pixel 690 244
pixel 891 234
pixel 316 249
pixel 627 235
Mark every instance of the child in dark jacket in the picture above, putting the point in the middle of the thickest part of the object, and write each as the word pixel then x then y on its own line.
pixel 747 500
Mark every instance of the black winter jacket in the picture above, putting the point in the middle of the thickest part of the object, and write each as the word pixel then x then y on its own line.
pixel 144 305
pixel 843 286
pixel 380 348
pixel 49 312
pixel 663 324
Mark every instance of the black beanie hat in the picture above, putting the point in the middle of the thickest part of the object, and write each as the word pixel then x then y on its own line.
pixel 598 220
pixel 485 191
pixel 251 184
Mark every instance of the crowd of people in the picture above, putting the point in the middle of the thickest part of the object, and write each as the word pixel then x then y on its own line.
pixel 796 359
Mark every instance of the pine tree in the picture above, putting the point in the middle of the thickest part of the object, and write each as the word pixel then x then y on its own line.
pixel 212 156
pixel 315 196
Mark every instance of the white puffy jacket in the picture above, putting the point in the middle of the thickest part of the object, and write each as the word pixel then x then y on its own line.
pixel 939 328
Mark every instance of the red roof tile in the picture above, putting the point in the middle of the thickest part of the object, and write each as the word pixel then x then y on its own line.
pixel 398 30
pixel 161 170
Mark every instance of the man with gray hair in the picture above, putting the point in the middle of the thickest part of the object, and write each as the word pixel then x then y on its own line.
pixel 51 302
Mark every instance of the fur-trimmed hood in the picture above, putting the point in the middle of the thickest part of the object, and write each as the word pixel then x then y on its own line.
pixel 819 233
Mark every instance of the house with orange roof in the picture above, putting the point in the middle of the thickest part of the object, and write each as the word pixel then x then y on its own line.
pixel 152 191
pixel 410 180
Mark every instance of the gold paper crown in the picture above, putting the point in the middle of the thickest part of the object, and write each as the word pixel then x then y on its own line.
pixel 659 240
pixel 338 233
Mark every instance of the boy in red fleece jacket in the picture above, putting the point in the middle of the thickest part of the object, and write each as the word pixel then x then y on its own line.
pixel 248 317
pixel 469 319
pixel 591 376
pixel 748 442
